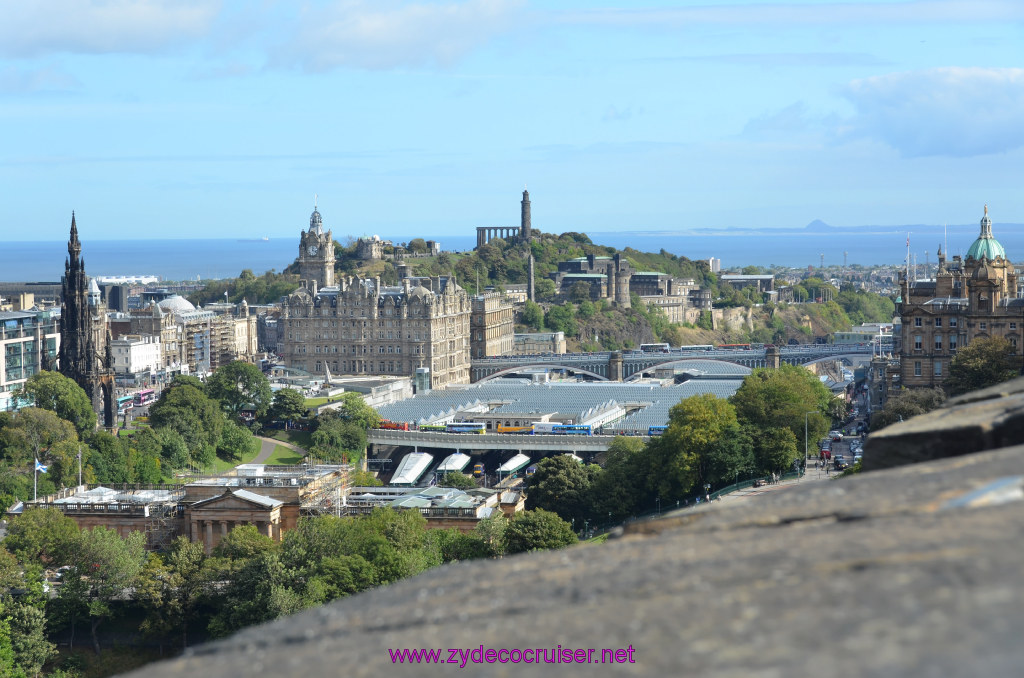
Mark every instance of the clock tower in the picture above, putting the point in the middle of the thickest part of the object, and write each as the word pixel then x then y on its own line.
pixel 316 254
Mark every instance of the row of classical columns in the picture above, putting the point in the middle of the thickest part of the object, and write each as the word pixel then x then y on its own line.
pixel 485 234
pixel 204 530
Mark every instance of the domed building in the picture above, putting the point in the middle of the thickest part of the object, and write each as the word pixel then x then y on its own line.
pixel 970 298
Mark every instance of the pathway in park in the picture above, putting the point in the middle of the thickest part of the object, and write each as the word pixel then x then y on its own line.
pixel 267 448
pixel 812 475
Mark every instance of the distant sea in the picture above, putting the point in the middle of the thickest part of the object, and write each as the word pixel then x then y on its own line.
pixel 226 258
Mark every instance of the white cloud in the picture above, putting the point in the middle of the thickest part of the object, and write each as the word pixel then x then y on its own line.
pixel 958 112
pixel 919 11
pixel 30 28
pixel 389 33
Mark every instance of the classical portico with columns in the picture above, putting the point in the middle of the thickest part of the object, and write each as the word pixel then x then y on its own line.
pixel 210 520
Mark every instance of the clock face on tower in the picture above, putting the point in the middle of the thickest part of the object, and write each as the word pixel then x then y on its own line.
pixel 312 249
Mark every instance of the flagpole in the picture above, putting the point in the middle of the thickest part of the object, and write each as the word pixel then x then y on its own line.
pixel 35 475
pixel 79 465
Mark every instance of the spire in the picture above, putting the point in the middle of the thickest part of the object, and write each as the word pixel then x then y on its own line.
pixel 74 246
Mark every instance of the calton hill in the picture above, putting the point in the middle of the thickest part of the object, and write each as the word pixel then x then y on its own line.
pixel 598 325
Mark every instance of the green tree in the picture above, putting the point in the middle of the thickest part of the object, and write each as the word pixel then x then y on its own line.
pixel 31 433
pixel 243 543
pixel 195 417
pixel 622 488
pixel 29 643
pixel 562 319
pixel 780 398
pixel 906 404
pixel 62 396
pixel 288 404
pixel 453 545
pixel 187 380
pixel 358 478
pixel 983 362
pixel 696 426
pixel 562 485
pixel 775 449
pixel 536 530
pixel 170 588
pixel 109 566
pixel 337 440
pixel 42 535
pixel 493 533
pixel 240 385
pixel 417 246
pixel 165 443
pixel 706 321
pixel 110 459
pixel 262 590
pixel 729 457
pixel 533 316
pixel 544 289
pixel 353 410
pixel 237 442
pixel 459 481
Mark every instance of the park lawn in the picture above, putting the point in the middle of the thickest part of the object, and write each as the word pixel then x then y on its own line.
pixel 221 465
pixel 303 439
pixel 315 402
pixel 284 455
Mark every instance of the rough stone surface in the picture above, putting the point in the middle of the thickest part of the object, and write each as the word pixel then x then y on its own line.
pixel 913 571
pixel 981 420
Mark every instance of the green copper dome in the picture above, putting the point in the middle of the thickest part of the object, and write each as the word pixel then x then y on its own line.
pixel 986 245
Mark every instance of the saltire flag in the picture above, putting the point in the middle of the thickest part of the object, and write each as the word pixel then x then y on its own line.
pixel 40 467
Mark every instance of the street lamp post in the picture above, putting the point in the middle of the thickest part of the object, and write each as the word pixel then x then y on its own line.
pixel 658 499
pixel 805 431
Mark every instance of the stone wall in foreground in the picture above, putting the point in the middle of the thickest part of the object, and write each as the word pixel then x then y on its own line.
pixel 981 420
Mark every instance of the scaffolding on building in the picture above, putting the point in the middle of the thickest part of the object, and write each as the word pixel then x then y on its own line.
pixel 326 491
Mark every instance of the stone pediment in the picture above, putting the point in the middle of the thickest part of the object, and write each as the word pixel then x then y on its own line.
pixel 238 500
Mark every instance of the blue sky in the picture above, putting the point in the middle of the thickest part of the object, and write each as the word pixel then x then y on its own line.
pixel 207 118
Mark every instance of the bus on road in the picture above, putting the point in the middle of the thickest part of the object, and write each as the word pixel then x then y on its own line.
pixel 466 427
pixel 145 396
pixel 124 404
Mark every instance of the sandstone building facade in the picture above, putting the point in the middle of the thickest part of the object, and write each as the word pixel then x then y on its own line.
pixel 491 325
pixel 968 299
pixel 363 327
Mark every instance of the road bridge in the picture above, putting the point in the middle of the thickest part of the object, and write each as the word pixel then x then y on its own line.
pixel 631 365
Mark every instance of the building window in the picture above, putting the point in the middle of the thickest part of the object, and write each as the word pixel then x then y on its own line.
pixel 938 368
pixel 1013 326
pixel 917 322
pixel 917 342
pixel 952 322
pixel 917 368
pixel 938 322
pixel 952 342
pixel 938 342
pixel 982 325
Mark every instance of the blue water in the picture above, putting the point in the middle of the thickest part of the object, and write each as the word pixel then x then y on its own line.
pixel 205 259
